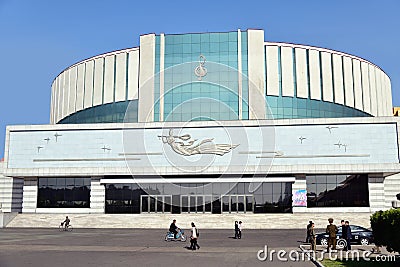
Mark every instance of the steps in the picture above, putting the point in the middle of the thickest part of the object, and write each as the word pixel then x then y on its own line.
pixel 205 221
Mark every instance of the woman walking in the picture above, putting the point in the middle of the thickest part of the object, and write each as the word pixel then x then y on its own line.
pixel 194 237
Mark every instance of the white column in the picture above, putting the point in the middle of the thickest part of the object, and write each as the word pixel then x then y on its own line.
pixel 146 78
pixel 297 186
pixel 97 196
pixel 29 197
pixel 391 188
pixel 376 193
pixel 256 74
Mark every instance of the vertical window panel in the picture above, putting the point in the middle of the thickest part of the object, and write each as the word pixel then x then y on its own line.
pixel 301 73
pixel 109 79
pixel 338 79
pixel 272 70
pixel 315 80
pixel 287 71
pixel 327 86
pixel 133 75
pixel 65 89
pixel 366 87
pixel 98 81
pixel 348 81
pixel 80 84
pixel 358 96
pixel 72 90
pixel 120 79
pixel 372 82
pixel 89 76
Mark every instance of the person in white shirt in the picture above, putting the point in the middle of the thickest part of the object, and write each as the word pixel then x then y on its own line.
pixel 194 237
pixel 240 226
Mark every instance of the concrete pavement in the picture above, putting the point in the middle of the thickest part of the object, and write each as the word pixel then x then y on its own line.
pixel 142 247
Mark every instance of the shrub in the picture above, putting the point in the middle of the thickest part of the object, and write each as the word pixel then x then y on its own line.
pixel 386 229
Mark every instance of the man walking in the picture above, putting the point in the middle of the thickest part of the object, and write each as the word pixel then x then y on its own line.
pixel 348 235
pixel 312 237
pixel 308 232
pixel 331 229
pixel 344 231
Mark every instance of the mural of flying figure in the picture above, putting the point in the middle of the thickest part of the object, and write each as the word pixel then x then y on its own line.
pixel 186 146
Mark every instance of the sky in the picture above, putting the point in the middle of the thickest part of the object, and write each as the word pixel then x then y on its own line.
pixel 38 39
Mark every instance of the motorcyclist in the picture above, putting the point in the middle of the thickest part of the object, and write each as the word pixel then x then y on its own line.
pixel 173 228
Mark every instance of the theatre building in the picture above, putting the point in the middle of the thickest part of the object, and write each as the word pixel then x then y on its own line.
pixel 209 123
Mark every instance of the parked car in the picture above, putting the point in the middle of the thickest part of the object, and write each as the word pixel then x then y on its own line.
pixel 360 235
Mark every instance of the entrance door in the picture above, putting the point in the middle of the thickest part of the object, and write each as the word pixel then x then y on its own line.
pixel 237 203
pixel 155 203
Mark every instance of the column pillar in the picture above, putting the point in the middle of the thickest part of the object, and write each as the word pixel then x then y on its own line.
pixel 29 195
pixel 376 190
pixel 97 196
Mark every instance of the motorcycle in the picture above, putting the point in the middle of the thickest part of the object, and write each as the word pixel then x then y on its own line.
pixel 180 236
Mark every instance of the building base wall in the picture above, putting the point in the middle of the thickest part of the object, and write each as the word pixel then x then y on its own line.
pixel 203 221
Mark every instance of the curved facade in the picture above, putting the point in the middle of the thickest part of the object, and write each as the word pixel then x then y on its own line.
pixel 201 136
pixel 273 80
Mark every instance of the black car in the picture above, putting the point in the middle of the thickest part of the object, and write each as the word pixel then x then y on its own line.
pixel 360 235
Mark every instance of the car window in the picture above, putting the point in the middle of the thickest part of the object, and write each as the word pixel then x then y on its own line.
pixel 356 228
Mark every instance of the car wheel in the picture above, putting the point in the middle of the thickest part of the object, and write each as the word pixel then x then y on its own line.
pixel 324 242
pixel 341 244
pixel 364 241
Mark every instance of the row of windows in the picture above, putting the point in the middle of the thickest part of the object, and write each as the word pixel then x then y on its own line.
pixel 78 84
pixel 63 193
pixel 337 191
pixel 292 108
pixel 359 81
pixel 268 198
pixel 201 38
pixel 125 191
pixel 107 113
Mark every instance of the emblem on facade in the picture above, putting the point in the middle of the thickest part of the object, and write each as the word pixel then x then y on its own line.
pixel 200 71
pixel 186 146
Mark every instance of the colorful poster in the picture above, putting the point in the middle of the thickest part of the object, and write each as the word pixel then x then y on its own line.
pixel 300 198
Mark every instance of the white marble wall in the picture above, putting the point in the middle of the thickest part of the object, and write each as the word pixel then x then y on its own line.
pixel 376 193
pixel 97 196
pixel 10 193
pixel 391 189
pixel 30 191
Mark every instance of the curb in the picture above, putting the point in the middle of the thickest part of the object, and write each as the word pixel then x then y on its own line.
pixel 313 260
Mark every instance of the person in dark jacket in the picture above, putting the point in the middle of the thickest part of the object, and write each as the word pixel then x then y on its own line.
pixel 236 229
pixel 308 232
pixel 313 240
pixel 173 228
pixel 344 231
pixel 348 235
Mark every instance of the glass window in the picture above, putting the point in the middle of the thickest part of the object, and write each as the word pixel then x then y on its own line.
pixel 63 193
pixel 338 191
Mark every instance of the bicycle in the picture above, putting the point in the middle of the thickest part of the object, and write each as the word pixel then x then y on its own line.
pixel 67 228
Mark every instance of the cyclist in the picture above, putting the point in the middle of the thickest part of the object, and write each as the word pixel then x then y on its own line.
pixel 66 222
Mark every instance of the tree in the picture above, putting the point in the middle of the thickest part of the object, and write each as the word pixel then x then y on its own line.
pixel 386 229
